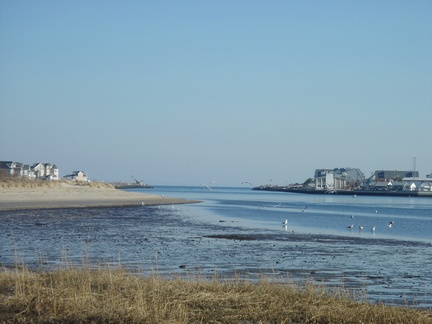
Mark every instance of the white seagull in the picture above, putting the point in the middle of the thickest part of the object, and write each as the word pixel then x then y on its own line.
pixel 373 229
pixel 351 226
pixel 360 228
pixel 285 222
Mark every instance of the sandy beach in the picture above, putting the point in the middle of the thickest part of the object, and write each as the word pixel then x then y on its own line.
pixel 70 195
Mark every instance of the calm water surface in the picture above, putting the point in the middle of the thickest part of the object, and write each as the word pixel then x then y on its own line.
pixel 239 232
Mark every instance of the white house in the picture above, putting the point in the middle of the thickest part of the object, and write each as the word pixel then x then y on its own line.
pixel 39 170
pixel 77 176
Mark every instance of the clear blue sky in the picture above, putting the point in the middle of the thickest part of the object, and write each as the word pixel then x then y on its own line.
pixel 190 92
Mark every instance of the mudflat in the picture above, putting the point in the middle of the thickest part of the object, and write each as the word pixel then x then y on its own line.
pixel 73 195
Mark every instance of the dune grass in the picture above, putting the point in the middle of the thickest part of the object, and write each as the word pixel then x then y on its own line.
pixel 7 181
pixel 84 295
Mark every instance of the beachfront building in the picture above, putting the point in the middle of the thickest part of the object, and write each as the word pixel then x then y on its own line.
pixel 338 178
pixel 27 171
pixel 38 170
pixel 77 176
pixel 53 172
pixel 45 171
pixel 8 167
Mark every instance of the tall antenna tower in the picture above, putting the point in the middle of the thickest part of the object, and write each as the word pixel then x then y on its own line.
pixel 414 163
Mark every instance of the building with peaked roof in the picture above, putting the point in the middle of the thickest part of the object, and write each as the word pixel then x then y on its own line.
pixel 39 170
pixel 55 173
pixel 77 176
pixel 8 167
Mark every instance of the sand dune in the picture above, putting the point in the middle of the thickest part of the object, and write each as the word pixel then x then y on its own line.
pixel 71 195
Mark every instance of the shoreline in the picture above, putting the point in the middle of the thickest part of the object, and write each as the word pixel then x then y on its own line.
pixel 75 196
pixel 385 193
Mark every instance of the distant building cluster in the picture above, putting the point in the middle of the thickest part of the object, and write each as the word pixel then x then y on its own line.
pixel 352 178
pixel 43 171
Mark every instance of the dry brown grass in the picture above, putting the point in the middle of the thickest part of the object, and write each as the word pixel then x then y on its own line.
pixel 21 182
pixel 81 295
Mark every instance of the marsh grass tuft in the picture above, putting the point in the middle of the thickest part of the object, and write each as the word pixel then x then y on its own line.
pixel 82 295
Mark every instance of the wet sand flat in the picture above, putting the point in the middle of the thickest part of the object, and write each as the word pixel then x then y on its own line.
pixel 172 241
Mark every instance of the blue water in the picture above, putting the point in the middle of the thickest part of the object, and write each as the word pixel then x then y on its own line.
pixel 238 232
pixel 325 214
